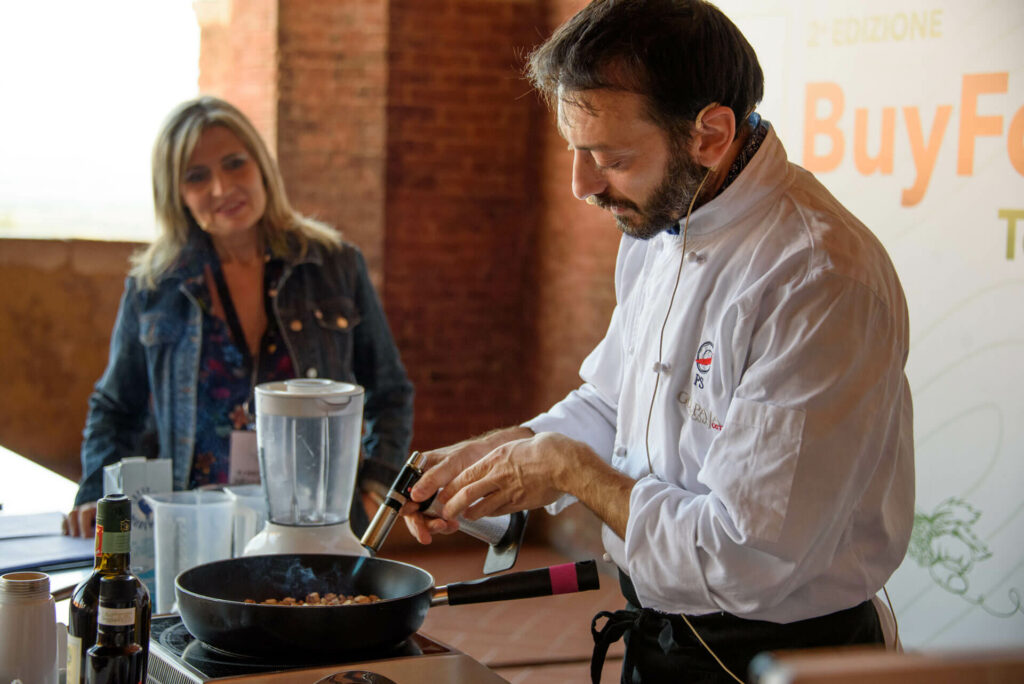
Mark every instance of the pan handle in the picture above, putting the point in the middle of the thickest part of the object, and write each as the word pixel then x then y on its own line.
pixel 557 579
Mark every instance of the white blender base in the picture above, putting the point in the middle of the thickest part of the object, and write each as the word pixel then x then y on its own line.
pixel 334 539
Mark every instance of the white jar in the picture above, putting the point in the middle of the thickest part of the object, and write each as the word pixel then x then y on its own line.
pixel 28 629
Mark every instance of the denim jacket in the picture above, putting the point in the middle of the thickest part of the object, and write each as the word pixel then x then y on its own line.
pixel 332 323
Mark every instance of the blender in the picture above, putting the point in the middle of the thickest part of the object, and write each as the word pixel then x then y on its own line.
pixel 308 433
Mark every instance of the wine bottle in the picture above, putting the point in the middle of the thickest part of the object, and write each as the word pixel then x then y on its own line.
pixel 113 544
pixel 116 657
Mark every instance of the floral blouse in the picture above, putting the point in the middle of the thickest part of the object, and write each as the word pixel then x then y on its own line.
pixel 226 384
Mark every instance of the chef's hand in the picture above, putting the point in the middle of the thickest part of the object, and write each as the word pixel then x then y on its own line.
pixel 518 475
pixel 81 521
pixel 440 467
pixel 533 472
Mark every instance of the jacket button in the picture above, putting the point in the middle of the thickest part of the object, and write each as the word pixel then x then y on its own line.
pixel 342 322
pixel 311 373
pixel 319 315
pixel 272 292
pixel 295 325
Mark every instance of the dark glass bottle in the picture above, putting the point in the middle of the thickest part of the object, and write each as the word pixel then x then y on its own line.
pixel 116 657
pixel 113 544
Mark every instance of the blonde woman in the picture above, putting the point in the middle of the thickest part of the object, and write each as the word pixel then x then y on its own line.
pixel 237 289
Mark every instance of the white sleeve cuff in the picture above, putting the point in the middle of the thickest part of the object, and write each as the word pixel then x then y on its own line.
pixel 661 547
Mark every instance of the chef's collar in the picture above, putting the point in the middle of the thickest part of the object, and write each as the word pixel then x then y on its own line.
pixel 757 136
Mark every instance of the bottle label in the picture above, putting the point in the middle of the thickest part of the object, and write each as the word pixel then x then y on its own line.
pixel 113 540
pixel 74 666
pixel 115 617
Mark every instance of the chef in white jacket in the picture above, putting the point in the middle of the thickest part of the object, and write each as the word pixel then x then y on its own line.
pixel 744 429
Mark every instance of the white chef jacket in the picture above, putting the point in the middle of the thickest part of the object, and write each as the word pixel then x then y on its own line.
pixel 781 478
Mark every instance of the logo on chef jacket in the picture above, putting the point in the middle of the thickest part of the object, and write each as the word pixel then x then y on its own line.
pixel 703 363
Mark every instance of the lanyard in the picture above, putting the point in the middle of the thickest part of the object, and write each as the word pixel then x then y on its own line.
pixel 232 318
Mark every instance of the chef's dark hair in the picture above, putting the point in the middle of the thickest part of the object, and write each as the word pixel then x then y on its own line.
pixel 680 54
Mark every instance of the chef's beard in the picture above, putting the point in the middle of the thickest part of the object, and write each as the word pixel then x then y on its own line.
pixel 666 205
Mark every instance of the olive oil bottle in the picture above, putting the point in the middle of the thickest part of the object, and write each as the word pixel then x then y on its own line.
pixel 116 658
pixel 113 544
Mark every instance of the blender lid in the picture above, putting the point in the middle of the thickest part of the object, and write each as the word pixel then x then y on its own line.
pixel 308 397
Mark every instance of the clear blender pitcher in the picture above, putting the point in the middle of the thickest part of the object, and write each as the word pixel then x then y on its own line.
pixel 308 433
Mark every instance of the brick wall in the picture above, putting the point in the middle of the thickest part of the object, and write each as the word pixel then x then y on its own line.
pixel 574 263
pixel 498 281
pixel 461 210
pixel 332 82
pixel 238 58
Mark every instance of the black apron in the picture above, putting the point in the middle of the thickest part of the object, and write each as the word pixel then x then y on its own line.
pixel 660 647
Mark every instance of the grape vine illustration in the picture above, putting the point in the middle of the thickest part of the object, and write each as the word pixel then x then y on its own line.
pixel 945 543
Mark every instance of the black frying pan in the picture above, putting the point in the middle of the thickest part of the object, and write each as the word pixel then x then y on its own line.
pixel 211 601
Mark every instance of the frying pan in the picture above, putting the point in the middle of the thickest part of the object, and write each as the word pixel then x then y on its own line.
pixel 211 601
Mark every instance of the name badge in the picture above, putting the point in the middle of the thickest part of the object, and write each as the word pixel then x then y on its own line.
pixel 245 462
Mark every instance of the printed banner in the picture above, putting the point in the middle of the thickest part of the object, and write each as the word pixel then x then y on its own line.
pixel 912 114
